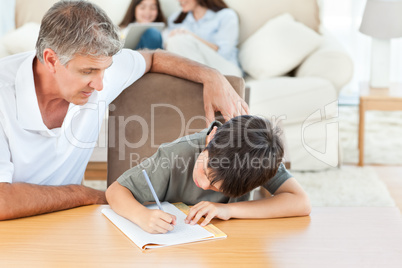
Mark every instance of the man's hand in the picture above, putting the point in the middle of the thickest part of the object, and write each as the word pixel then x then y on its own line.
pixel 219 95
pixel 208 209
pixel 156 221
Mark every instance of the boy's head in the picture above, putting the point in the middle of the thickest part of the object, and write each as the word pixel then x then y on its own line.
pixel 242 154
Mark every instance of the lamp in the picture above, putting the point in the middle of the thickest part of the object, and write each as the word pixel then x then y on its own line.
pixel 382 20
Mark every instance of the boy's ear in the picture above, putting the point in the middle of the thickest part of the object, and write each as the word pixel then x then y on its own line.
pixel 211 134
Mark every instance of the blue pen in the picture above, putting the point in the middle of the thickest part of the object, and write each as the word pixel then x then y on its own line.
pixel 152 189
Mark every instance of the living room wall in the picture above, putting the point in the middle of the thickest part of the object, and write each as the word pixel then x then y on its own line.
pixel 342 18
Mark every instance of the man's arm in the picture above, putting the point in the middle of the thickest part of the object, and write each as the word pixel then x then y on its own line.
pixel 288 201
pixel 123 203
pixel 219 95
pixel 22 199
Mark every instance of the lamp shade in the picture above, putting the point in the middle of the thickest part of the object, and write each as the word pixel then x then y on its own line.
pixel 382 19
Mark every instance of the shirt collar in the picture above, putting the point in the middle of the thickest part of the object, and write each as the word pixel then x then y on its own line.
pixel 207 15
pixel 28 113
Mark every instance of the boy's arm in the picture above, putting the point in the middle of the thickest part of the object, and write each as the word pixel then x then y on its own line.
pixel 288 201
pixel 123 203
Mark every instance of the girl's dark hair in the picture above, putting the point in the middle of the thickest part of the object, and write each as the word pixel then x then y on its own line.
pixel 214 5
pixel 245 153
pixel 130 14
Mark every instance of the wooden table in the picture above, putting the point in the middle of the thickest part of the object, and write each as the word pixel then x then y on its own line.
pixel 380 99
pixel 330 237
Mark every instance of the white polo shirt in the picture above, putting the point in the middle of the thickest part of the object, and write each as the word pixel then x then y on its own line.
pixel 32 153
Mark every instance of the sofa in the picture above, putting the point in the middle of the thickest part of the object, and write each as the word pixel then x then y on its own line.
pixel 294 68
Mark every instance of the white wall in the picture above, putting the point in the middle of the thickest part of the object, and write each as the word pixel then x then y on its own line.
pixel 342 18
pixel 7 14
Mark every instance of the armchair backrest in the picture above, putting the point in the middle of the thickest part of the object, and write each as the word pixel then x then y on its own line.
pixel 157 108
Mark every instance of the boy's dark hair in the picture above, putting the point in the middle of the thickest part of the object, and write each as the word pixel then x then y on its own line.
pixel 244 154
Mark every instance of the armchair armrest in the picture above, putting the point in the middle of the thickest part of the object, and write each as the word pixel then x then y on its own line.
pixel 330 61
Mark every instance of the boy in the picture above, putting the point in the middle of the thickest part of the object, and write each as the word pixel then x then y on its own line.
pixel 214 170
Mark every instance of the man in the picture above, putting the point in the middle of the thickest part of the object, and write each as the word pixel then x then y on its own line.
pixel 51 104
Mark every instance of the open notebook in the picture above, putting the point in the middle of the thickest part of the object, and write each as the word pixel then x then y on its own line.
pixel 182 233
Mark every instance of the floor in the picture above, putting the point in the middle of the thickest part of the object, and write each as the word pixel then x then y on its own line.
pixel 392 177
pixel 390 124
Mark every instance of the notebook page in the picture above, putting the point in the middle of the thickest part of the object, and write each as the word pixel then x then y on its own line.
pixel 182 233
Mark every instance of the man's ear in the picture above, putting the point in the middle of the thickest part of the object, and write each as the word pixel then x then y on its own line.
pixel 211 134
pixel 50 59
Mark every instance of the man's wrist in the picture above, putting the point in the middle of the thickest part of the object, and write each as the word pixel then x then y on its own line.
pixel 211 75
pixel 91 196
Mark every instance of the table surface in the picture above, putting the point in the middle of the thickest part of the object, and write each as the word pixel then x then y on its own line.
pixel 329 237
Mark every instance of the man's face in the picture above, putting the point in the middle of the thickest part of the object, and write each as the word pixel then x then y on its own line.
pixel 80 77
pixel 200 174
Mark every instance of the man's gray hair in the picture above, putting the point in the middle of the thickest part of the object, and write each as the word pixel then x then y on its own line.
pixel 77 27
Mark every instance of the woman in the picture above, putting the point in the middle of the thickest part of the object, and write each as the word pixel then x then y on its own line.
pixel 206 31
pixel 145 11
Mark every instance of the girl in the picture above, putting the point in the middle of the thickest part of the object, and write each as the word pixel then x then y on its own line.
pixel 145 11
pixel 206 31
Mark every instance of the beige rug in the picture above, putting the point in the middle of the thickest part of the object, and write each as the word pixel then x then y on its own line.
pixel 383 136
pixel 345 187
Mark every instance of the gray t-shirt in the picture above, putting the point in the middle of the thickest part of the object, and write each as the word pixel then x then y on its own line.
pixel 170 170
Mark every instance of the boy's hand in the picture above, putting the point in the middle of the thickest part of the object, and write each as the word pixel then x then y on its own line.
pixel 156 221
pixel 208 209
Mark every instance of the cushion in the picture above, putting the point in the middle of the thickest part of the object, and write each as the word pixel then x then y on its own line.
pixel 3 50
pixel 294 98
pixel 331 61
pixel 307 110
pixel 253 14
pixel 22 39
pixel 277 47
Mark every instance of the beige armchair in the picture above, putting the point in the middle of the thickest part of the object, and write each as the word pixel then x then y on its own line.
pixel 155 109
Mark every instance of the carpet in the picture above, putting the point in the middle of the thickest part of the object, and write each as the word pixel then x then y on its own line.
pixel 383 130
pixel 347 186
